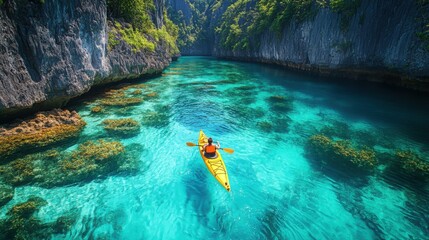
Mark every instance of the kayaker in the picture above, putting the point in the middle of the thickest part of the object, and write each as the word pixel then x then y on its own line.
pixel 210 148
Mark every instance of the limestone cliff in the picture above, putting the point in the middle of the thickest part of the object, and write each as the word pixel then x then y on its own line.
pixel 51 51
pixel 379 42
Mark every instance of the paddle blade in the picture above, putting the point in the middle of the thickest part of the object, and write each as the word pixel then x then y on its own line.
pixel 228 150
pixel 191 144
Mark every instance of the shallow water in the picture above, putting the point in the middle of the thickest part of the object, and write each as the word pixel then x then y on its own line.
pixel 276 190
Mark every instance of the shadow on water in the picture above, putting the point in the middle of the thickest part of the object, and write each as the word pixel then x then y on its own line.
pixel 401 109
pixel 198 195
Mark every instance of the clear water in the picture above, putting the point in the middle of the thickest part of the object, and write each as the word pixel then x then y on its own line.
pixel 276 191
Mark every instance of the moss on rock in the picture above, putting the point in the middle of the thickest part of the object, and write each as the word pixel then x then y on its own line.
pixel 44 129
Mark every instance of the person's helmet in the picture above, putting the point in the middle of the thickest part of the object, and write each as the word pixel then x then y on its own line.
pixel 210 140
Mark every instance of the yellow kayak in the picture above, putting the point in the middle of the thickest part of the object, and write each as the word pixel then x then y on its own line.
pixel 215 165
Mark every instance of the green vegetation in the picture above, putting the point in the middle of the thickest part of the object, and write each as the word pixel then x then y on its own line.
pixel 197 26
pixel 243 20
pixel 134 37
pixel 347 9
pixel 1 2
pixel 135 12
pixel 138 30
pixel 423 32
pixel 340 154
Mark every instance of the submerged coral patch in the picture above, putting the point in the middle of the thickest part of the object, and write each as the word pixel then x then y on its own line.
pixel 42 130
pixel 22 224
pixel 340 154
pixel 409 165
pixel 280 103
pixel 155 119
pixel 6 194
pixel 91 160
pixel 124 126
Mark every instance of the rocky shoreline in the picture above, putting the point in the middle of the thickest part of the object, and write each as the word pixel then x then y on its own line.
pixel 51 52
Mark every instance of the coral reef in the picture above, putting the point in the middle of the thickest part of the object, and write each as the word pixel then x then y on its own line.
pixel 42 130
pixel 265 126
pixel 22 224
pixel 413 164
pixel 158 118
pixel 137 92
pixel 118 98
pixel 6 194
pixel 280 103
pixel 91 160
pixel 340 154
pixel 151 95
pixel 97 109
pixel 123 127
pixel 409 166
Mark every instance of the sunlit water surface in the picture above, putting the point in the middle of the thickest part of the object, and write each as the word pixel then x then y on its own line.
pixel 277 192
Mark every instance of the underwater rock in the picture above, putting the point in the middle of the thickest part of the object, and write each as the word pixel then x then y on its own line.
pixel 137 92
pixel 97 109
pixel 64 223
pixel 6 194
pixel 91 160
pixel 123 127
pixel 340 155
pixel 280 103
pixel 337 129
pixel 42 130
pixel 158 118
pixel 22 224
pixel 408 166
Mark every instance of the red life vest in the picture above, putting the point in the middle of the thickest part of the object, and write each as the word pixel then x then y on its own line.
pixel 210 149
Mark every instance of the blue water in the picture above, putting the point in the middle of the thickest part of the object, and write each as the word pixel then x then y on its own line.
pixel 276 192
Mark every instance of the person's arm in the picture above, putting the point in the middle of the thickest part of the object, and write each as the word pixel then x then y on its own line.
pixel 218 145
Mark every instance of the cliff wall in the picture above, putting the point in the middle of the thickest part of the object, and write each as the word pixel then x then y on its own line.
pixel 56 50
pixel 379 42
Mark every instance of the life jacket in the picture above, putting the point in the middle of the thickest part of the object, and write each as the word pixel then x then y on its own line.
pixel 210 149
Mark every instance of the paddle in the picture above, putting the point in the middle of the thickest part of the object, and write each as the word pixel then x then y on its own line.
pixel 228 150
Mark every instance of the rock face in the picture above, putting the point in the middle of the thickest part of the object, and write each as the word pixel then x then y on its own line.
pixel 380 43
pixel 56 50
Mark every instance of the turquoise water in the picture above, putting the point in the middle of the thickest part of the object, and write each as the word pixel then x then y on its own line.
pixel 277 192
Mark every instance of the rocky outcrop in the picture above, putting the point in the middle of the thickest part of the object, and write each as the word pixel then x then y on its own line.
pixel 56 50
pixel 42 130
pixel 379 43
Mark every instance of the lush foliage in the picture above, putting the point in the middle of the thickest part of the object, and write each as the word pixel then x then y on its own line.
pixel 136 12
pixel 244 19
pixel 347 9
pixel 140 32
pixel 133 36
pixel 423 32
pixel 197 27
